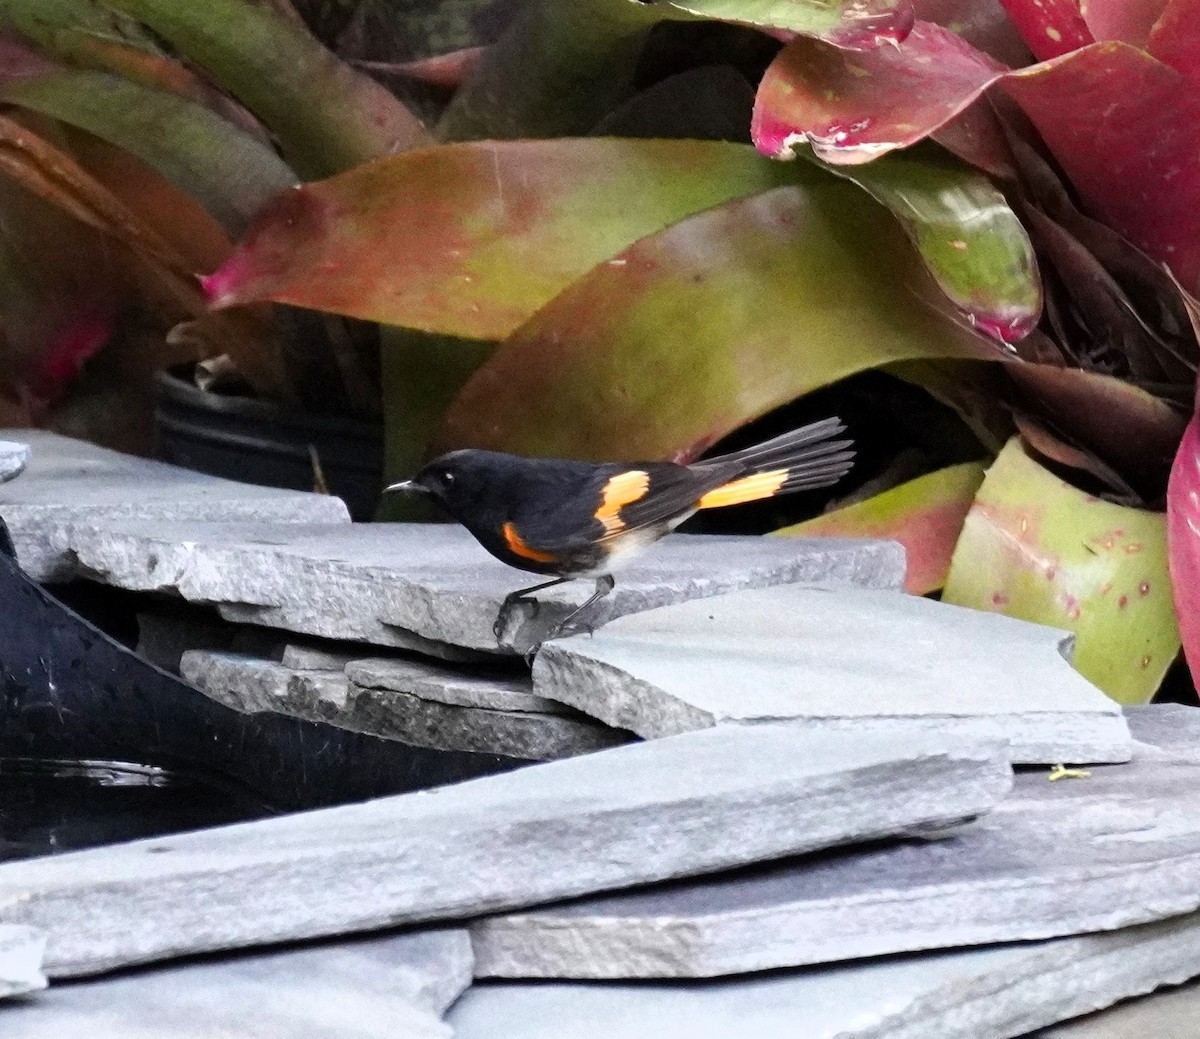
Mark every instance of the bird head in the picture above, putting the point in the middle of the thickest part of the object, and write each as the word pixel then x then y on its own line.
pixel 455 479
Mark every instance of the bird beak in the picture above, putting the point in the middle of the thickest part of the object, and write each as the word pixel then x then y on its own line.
pixel 407 487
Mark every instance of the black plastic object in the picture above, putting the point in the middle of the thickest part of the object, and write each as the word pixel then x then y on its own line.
pixel 257 442
pixel 69 692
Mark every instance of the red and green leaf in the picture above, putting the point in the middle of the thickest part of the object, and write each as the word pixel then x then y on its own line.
pixel 327 116
pixel 472 239
pixel 854 106
pixel 1037 548
pixel 663 349
pixel 925 515
pixel 230 173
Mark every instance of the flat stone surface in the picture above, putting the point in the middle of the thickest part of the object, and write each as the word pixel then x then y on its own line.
pixel 992 993
pixel 1169 1014
pixel 250 684
pixel 71 481
pixel 492 688
pixel 380 988
pixel 836 658
pixel 425 586
pixel 20 961
pixel 696 803
pixel 1120 847
pixel 13 459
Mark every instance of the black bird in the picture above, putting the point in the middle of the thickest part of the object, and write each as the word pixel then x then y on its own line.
pixel 586 519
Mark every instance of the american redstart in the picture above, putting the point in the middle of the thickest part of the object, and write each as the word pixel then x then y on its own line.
pixel 585 519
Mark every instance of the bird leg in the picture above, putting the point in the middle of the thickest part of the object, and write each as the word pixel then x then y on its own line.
pixel 521 595
pixel 604 585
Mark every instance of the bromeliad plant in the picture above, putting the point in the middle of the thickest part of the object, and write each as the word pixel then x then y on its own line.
pixel 563 264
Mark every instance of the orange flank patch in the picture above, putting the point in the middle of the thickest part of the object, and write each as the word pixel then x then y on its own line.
pixel 515 542
pixel 623 489
pixel 748 488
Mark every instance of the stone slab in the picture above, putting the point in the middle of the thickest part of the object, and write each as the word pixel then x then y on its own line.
pixel 696 803
pixel 424 586
pixel 13 459
pixel 1120 847
pixel 991 993
pixel 71 481
pixel 835 658
pixel 1167 1014
pixel 491 688
pixel 20 961
pixel 251 684
pixel 379 988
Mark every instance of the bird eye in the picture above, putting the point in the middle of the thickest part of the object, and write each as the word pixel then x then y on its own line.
pixel 447 477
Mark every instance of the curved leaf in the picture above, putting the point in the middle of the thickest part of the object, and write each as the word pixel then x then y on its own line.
pixel 558 68
pixel 853 106
pixel 472 239
pixel 1183 533
pixel 971 241
pixel 859 24
pixel 1050 27
pixel 1143 129
pixel 925 515
pixel 1129 21
pixel 229 172
pixel 1175 38
pixel 1131 430
pixel 1036 548
pixel 71 30
pixel 690 333
pixel 327 116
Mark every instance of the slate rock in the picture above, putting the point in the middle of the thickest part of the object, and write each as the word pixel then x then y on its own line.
pixel 492 688
pixel 1119 847
pixel 378 988
pixel 1168 1014
pixel 835 658
pixel 20 960
pixel 13 459
pixel 71 481
pixel 696 803
pixel 430 587
pixel 990 993
pixel 251 684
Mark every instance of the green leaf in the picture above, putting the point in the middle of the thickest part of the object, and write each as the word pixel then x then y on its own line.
pixel 848 23
pixel 690 333
pixel 555 72
pixel 74 31
pixel 471 239
pixel 326 116
pixel 971 241
pixel 1037 548
pixel 925 515
pixel 225 169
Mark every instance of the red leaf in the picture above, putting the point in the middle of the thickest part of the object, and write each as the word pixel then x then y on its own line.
pixel 68 351
pixel 1129 21
pixel 1050 27
pixel 1183 542
pixel 856 105
pixel 1133 158
pixel 1175 38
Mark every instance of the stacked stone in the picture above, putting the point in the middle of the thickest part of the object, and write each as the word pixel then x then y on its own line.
pixel 771 795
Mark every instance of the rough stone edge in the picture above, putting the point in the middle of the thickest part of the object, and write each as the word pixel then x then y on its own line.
pixel 21 952
pixel 1099 738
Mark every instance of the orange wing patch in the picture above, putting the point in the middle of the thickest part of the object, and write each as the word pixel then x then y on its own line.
pixel 515 542
pixel 623 489
pixel 748 488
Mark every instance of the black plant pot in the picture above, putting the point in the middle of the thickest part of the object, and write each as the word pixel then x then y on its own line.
pixel 259 442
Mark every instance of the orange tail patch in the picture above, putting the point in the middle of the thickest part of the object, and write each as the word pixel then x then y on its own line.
pixel 748 488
